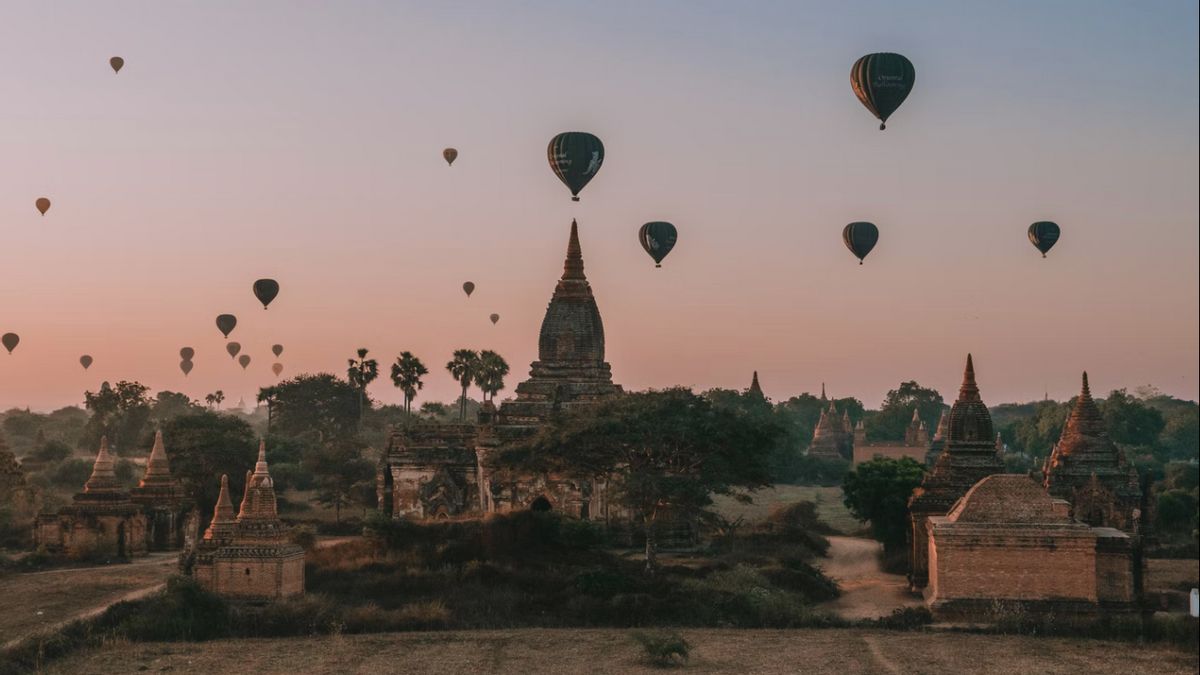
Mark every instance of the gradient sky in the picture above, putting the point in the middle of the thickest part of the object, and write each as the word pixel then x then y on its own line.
pixel 302 141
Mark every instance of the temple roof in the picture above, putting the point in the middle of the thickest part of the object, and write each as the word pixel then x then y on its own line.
pixel 1008 498
pixel 755 388
pixel 1085 450
pixel 104 476
pixel 259 500
pixel 224 516
pixel 158 470
pixel 970 423
pixel 572 330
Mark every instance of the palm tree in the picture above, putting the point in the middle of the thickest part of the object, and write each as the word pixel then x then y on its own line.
pixel 268 395
pixel 489 376
pixel 406 375
pixel 214 399
pixel 361 373
pixel 462 367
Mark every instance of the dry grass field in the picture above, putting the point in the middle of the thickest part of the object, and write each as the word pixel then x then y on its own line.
pixel 828 501
pixel 535 651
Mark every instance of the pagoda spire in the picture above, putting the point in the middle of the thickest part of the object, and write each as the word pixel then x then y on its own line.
pixel 822 391
pixel 157 467
pixel 915 418
pixel 223 513
pixel 573 266
pixel 104 476
pixel 969 391
pixel 755 388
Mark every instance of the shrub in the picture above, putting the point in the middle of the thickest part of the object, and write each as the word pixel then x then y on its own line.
pixel 663 649
pixel 303 536
pixel 72 473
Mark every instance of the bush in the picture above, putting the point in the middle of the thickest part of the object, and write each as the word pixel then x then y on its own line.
pixel 72 473
pixel 1176 511
pixel 820 472
pixel 303 536
pixel 663 649
pixel 52 451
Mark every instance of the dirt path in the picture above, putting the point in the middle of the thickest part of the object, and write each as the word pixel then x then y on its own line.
pixel 867 591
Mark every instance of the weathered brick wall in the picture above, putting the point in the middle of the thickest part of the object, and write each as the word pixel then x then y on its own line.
pixel 1114 575
pixel 251 578
pixel 1008 566
pixel 865 453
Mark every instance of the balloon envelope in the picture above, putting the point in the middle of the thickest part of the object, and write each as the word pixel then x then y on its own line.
pixel 233 348
pixel 860 238
pixel 575 157
pixel 494 318
pixel 244 360
pixel 276 349
pixel 468 288
pixel 1044 235
pixel 10 341
pixel 277 368
pixel 186 366
pixel 117 63
pixel 882 82
pixel 450 154
pixel 42 204
pixel 187 353
pixel 85 361
pixel 658 238
pixel 266 290
pixel 226 323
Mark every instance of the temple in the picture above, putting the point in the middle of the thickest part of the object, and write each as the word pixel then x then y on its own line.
pixel 833 436
pixel 441 471
pixel 249 557
pixel 915 446
pixel 162 500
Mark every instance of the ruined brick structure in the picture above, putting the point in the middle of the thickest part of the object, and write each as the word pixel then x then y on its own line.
pixel 1009 546
pixel 915 446
pixel 833 437
pixel 248 557
pixel 939 440
pixel 162 500
pixel 432 471
pixel 102 521
pixel 969 456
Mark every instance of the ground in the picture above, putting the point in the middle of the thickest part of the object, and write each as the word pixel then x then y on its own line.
pixel 828 501
pixel 867 591
pixel 612 651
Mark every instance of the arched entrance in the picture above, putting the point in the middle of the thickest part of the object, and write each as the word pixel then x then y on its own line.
pixel 541 505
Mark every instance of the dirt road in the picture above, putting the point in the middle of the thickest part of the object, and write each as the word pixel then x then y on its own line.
pixel 867 591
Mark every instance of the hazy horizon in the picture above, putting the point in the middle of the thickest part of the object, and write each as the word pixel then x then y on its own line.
pixel 302 141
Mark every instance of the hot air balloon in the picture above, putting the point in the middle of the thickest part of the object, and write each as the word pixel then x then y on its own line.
pixel 266 290
pixel 882 82
pixel 187 353
pixel 186 366
pixel 10 341
pixel 1044 235
pixel 85 361
pixel 42 204
pixel 494 318
pixel 276 350
pixel 450 154
pixel 658 238
pixel 860 238
pixel 277 368
pixel 117 63
pixel 244 360
pixel 233 348
pixel 226 323
pixel 468 288
pixel 575 157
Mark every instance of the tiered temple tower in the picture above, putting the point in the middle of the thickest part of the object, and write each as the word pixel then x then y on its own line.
pixel 161 497
pixel 755 390
pixel 1089 471
pixel 939 439
pixel 969 456
pixel 833 437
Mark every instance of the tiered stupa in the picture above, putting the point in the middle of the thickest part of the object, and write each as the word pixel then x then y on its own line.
pixel 833 437
pixel 969 456
pixel 1089 471
pixel 939 439
pixel 755 390
pixel 161 496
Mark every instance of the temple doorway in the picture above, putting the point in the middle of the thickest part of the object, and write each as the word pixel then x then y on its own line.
pixel 387 500
pixel 541 505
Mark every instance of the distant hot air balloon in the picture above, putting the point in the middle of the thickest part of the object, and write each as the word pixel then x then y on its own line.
pixel 658 238
pixel 277 368
pixel 233 348
pixel 860 238
pixel 1044 235
pixel 882 82
pixel 187 353
pixel 244 360
pixel 186 366
pixel 117 63
pixel 575 157
pixel 226 323
pixel 85 361
pixel 10 341
pixel 468 288
pixel 266 290
pixel 450 154
pixel 494 318
pixel 276 350
pixel 42 204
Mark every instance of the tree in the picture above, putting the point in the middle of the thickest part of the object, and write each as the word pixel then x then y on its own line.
pixel 339 467
pixel 203 446
pixel 878 491
pixel 407 372
pixel 318 407
pixel 1130 421
pixel 462 368
pixel 119 412
pixel 489 374
pixel 268 395
pixel 214 399
pixel 360 374
pixel 896 412
pixel 661 452
pixel 1180 436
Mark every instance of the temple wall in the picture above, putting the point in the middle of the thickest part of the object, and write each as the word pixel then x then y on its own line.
pixel 253 578
pixel 79 536
pixel 869 452
pixel 1115 572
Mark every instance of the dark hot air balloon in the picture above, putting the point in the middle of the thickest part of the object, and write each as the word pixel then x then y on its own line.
pixel 882 82
pixel 468 288
pixel 277 368
pixel 494 318
pixel 42 204
pixel 85 361
pixel 117 63
pixel 186 366
pixel 575 157
pixel 860 238
pixel 1044 235
pixel 187 353
pixel 226 323
pixel 233 348
pixel 10 341
pixel 450 154
pixel 244 360
pixel 658 238
pixel 266 290
pixel 276 350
